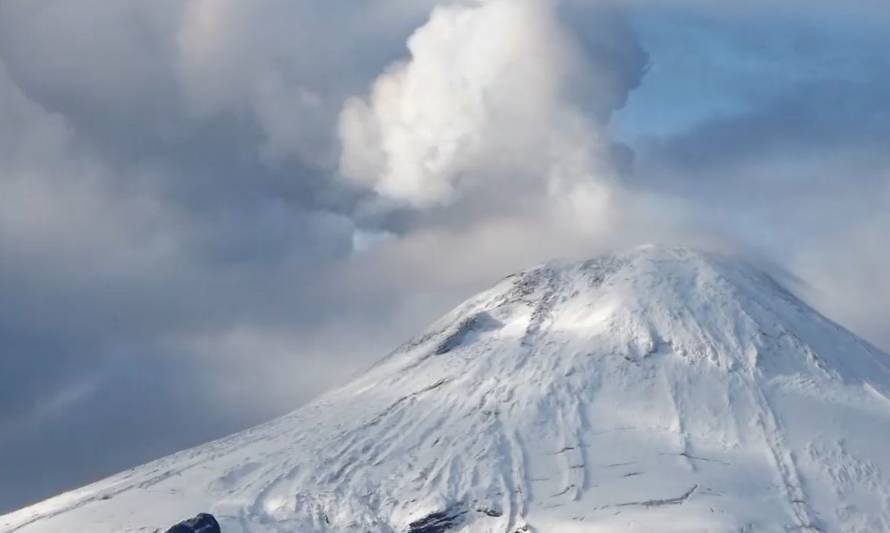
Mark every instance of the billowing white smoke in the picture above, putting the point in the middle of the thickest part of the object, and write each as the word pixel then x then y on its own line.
pixel 485 100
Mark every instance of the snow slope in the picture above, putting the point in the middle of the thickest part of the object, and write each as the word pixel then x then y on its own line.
pixel 652 390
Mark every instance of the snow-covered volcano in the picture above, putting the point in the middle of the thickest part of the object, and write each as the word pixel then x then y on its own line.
pixel 653 390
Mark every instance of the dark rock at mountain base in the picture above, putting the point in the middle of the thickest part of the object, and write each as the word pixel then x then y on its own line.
pixel 203 523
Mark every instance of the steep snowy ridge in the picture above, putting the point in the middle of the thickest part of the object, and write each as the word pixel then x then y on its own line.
pixel 659 389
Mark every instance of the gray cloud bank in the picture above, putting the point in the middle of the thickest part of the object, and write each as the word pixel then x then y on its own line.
pixel 211 211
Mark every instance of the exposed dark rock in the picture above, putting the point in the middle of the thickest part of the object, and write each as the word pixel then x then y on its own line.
pixel 203 523
pixel 474 324
pixel 439 522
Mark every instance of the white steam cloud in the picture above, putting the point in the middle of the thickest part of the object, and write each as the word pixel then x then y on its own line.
pixel 487 99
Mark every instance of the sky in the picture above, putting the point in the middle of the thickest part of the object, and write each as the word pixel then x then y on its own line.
pixel 212 211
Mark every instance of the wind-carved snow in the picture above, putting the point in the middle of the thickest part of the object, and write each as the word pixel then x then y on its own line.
pixel 654 390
